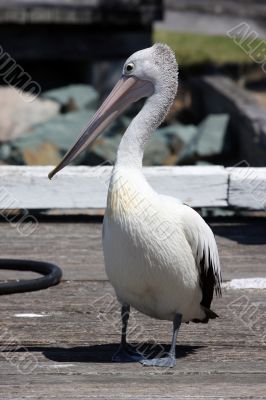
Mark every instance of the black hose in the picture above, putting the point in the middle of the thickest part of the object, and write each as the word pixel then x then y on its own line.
pixel 52 275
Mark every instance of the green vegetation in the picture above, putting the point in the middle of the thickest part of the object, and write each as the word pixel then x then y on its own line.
pixel 191 48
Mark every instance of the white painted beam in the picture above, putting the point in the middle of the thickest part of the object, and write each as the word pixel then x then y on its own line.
pixel 247 188
pixel 86 187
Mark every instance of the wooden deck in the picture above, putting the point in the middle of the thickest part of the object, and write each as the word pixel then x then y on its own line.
pixel 65 352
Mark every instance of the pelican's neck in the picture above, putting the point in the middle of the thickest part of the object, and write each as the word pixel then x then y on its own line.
pixel 131 148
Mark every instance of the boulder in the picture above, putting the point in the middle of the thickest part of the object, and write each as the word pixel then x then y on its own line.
pixel 210 140
pixel 18 116
pixel 74 97
pixel 219 94
pixel 157 151
pixel 170 141
pixel 105 149
pixel 48 141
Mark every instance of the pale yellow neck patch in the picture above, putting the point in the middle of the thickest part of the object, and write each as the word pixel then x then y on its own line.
pixel 126 197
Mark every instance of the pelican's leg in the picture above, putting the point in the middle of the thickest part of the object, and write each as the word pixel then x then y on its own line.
pixel 125 352
pixel 170 360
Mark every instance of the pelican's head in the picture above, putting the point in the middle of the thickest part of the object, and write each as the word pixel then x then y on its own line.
pixel 146 73
pixel 157 65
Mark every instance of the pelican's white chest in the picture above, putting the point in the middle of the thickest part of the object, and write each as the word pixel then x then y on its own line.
pixel 146 254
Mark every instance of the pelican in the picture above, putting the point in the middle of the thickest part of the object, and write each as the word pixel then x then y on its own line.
pixel 160 255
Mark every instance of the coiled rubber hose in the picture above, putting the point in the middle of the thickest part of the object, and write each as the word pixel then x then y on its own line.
pixel 52 275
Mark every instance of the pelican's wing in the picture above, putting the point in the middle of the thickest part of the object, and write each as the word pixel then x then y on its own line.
pixel 204 248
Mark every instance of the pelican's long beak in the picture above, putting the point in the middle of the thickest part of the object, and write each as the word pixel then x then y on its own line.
pixel 126 91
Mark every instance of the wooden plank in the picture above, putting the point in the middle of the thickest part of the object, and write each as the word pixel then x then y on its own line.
pixel 76 247
pixel 69 349
pixel 211 18
pixel 86 187
pixel 227 8
pixel 87 313
pixel 58 343
pixel 242 248
pixel 33 42
pixel 80 11
pixel 247 188
pixel 194 186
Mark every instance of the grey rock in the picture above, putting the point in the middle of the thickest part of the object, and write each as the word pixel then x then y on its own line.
pixel 157 151
pixel 5 151
pixel 167 143
pixel 210 139
pixel 162 149
pixel 219 94
pixel 179 132
pixel 74 97
pixel 48 141
pixel 18 115
pixel 61 130
pixel 106 148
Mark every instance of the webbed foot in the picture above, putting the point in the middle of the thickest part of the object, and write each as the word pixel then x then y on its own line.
pixel 167 362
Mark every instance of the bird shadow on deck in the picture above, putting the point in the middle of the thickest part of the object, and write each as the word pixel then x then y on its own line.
pixel 250 232
pixel 103 353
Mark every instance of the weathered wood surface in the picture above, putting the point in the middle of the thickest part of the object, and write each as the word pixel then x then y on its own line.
pixel 66 352
pixel 33 42
pixel 86 187
pixel 80 11
pixel 76 247
pixel 70 350
pixel 255 9
pixel 121 27
pixel 212 18
pixel 248 188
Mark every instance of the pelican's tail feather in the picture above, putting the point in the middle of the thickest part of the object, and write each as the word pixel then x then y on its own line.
pixel 209 314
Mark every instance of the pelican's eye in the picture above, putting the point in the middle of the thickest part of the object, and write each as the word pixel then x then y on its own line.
pixel 129 67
